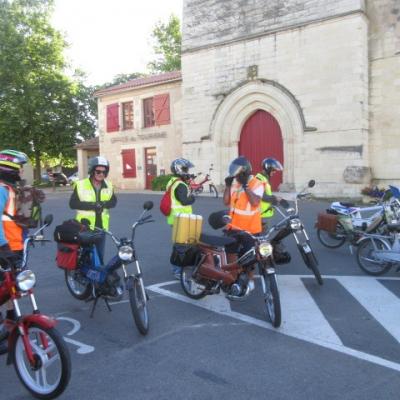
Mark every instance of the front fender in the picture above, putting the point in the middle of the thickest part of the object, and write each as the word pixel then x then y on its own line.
pixel 27 321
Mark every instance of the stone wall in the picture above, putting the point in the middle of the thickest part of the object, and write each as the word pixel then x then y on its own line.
pixel 317 72
pixel 384 54
pixel 212 22
pixel 166 138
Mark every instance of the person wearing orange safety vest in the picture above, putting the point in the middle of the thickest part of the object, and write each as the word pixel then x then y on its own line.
pixel 243 193
pixel 11 234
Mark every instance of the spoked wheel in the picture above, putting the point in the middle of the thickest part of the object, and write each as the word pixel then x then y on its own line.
pixel 271 298
pixel 77 284
pixel 367 258
pixel 138 302
pixel 51 373
pixel 189 286
pixel 311 261
pixel 214 191
pixel 332 240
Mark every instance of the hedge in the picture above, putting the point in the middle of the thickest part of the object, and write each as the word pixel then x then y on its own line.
pixel 159 183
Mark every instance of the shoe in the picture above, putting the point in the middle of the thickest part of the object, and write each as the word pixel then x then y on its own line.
pixel 177 276
pixel 251 285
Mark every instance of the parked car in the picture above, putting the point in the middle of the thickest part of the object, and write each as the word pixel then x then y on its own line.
pixel 73 178
pixel 59 178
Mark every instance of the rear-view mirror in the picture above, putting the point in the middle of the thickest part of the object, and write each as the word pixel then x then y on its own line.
pixel 148 205
pixel 48 219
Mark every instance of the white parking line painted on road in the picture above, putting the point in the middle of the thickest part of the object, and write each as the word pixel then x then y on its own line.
pixel 331 345
pixel 82 347
pixel 380 302
pixel 300 313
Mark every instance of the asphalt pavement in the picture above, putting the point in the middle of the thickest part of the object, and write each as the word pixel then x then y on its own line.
pixel 338 341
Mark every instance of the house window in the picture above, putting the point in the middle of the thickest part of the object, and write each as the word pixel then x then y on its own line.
pixel 113 117
pixel 128 163
pixel 127 115
pixel 148 112
pixel 156 110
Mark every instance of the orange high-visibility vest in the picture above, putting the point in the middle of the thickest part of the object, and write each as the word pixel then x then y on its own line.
pixel 244 215
pixel 12 231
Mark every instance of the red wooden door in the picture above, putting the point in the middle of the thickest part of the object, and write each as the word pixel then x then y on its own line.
pixel 150 166
pixel 260 138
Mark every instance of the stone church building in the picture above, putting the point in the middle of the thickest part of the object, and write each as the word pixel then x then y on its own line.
pixel 314 83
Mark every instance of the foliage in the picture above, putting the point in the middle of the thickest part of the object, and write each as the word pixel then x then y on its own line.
pixel 42 110
pixel 159 183
pixel 167 46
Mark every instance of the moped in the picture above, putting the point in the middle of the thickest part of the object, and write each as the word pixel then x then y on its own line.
pixel 38 352
pixel 88 279
pixel 198 187
pixel 208 268
pixel 292 224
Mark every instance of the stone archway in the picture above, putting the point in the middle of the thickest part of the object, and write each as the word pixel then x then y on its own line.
pixel 239 105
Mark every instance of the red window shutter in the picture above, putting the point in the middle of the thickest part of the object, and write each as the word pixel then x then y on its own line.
pixel 161 109
pixel 128 163
pixel 113 117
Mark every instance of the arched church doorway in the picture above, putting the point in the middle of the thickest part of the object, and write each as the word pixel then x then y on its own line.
pixel 261 137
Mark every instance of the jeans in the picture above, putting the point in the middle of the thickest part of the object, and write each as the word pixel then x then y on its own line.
pixel 100 246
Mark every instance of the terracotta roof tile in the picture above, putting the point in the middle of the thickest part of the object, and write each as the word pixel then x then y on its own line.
pixel 90 144
pixel 134 83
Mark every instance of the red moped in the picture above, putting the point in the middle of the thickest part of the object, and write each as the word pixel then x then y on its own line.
pixel 38 352
pixel 198 187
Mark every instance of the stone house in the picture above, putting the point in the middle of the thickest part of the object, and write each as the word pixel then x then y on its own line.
pixel 314 83
pixel 140 129
pixel 85 150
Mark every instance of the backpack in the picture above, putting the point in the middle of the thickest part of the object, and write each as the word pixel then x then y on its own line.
pixel 28 206
pixel 166 201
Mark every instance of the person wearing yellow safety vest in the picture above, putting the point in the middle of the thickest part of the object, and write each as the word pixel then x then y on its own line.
pixel 93 197
pixel 269 167
pixel 243 193
pixel 11 234
pixel 181 199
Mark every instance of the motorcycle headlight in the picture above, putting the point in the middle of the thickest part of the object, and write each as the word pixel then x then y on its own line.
pixel 125 253
pixel 295 224
pixel 265 249
pixel 26 280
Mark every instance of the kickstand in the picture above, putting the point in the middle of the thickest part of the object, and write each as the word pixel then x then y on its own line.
pixel 96 299
pixel 107 304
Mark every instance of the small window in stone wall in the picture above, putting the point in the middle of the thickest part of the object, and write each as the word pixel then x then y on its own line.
pixel 127 115
pixel 148 112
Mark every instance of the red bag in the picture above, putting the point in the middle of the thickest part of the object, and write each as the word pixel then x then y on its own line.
pixel 67 255
pixel 166 201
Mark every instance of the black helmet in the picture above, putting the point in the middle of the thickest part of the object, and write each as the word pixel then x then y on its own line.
pixel 240 165
pixel 98 161
pixel 180 167
pixel 271 164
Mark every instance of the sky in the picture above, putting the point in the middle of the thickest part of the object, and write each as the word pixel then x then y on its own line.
pixel 111 37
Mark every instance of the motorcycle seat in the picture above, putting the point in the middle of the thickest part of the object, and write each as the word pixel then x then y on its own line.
pixel 345 204
pixel 89 238
pixel 216 241
pixel 394 227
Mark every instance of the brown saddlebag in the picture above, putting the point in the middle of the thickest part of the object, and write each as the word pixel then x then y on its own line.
pixel 327 222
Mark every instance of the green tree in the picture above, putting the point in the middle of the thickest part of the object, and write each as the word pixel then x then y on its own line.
pixel 42 110
pixel 167 47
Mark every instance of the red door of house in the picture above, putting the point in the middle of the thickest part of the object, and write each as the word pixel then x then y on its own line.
pixel 150 165
pixel 260 138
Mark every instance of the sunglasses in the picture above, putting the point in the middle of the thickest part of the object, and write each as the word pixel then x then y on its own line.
pixel 99 172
